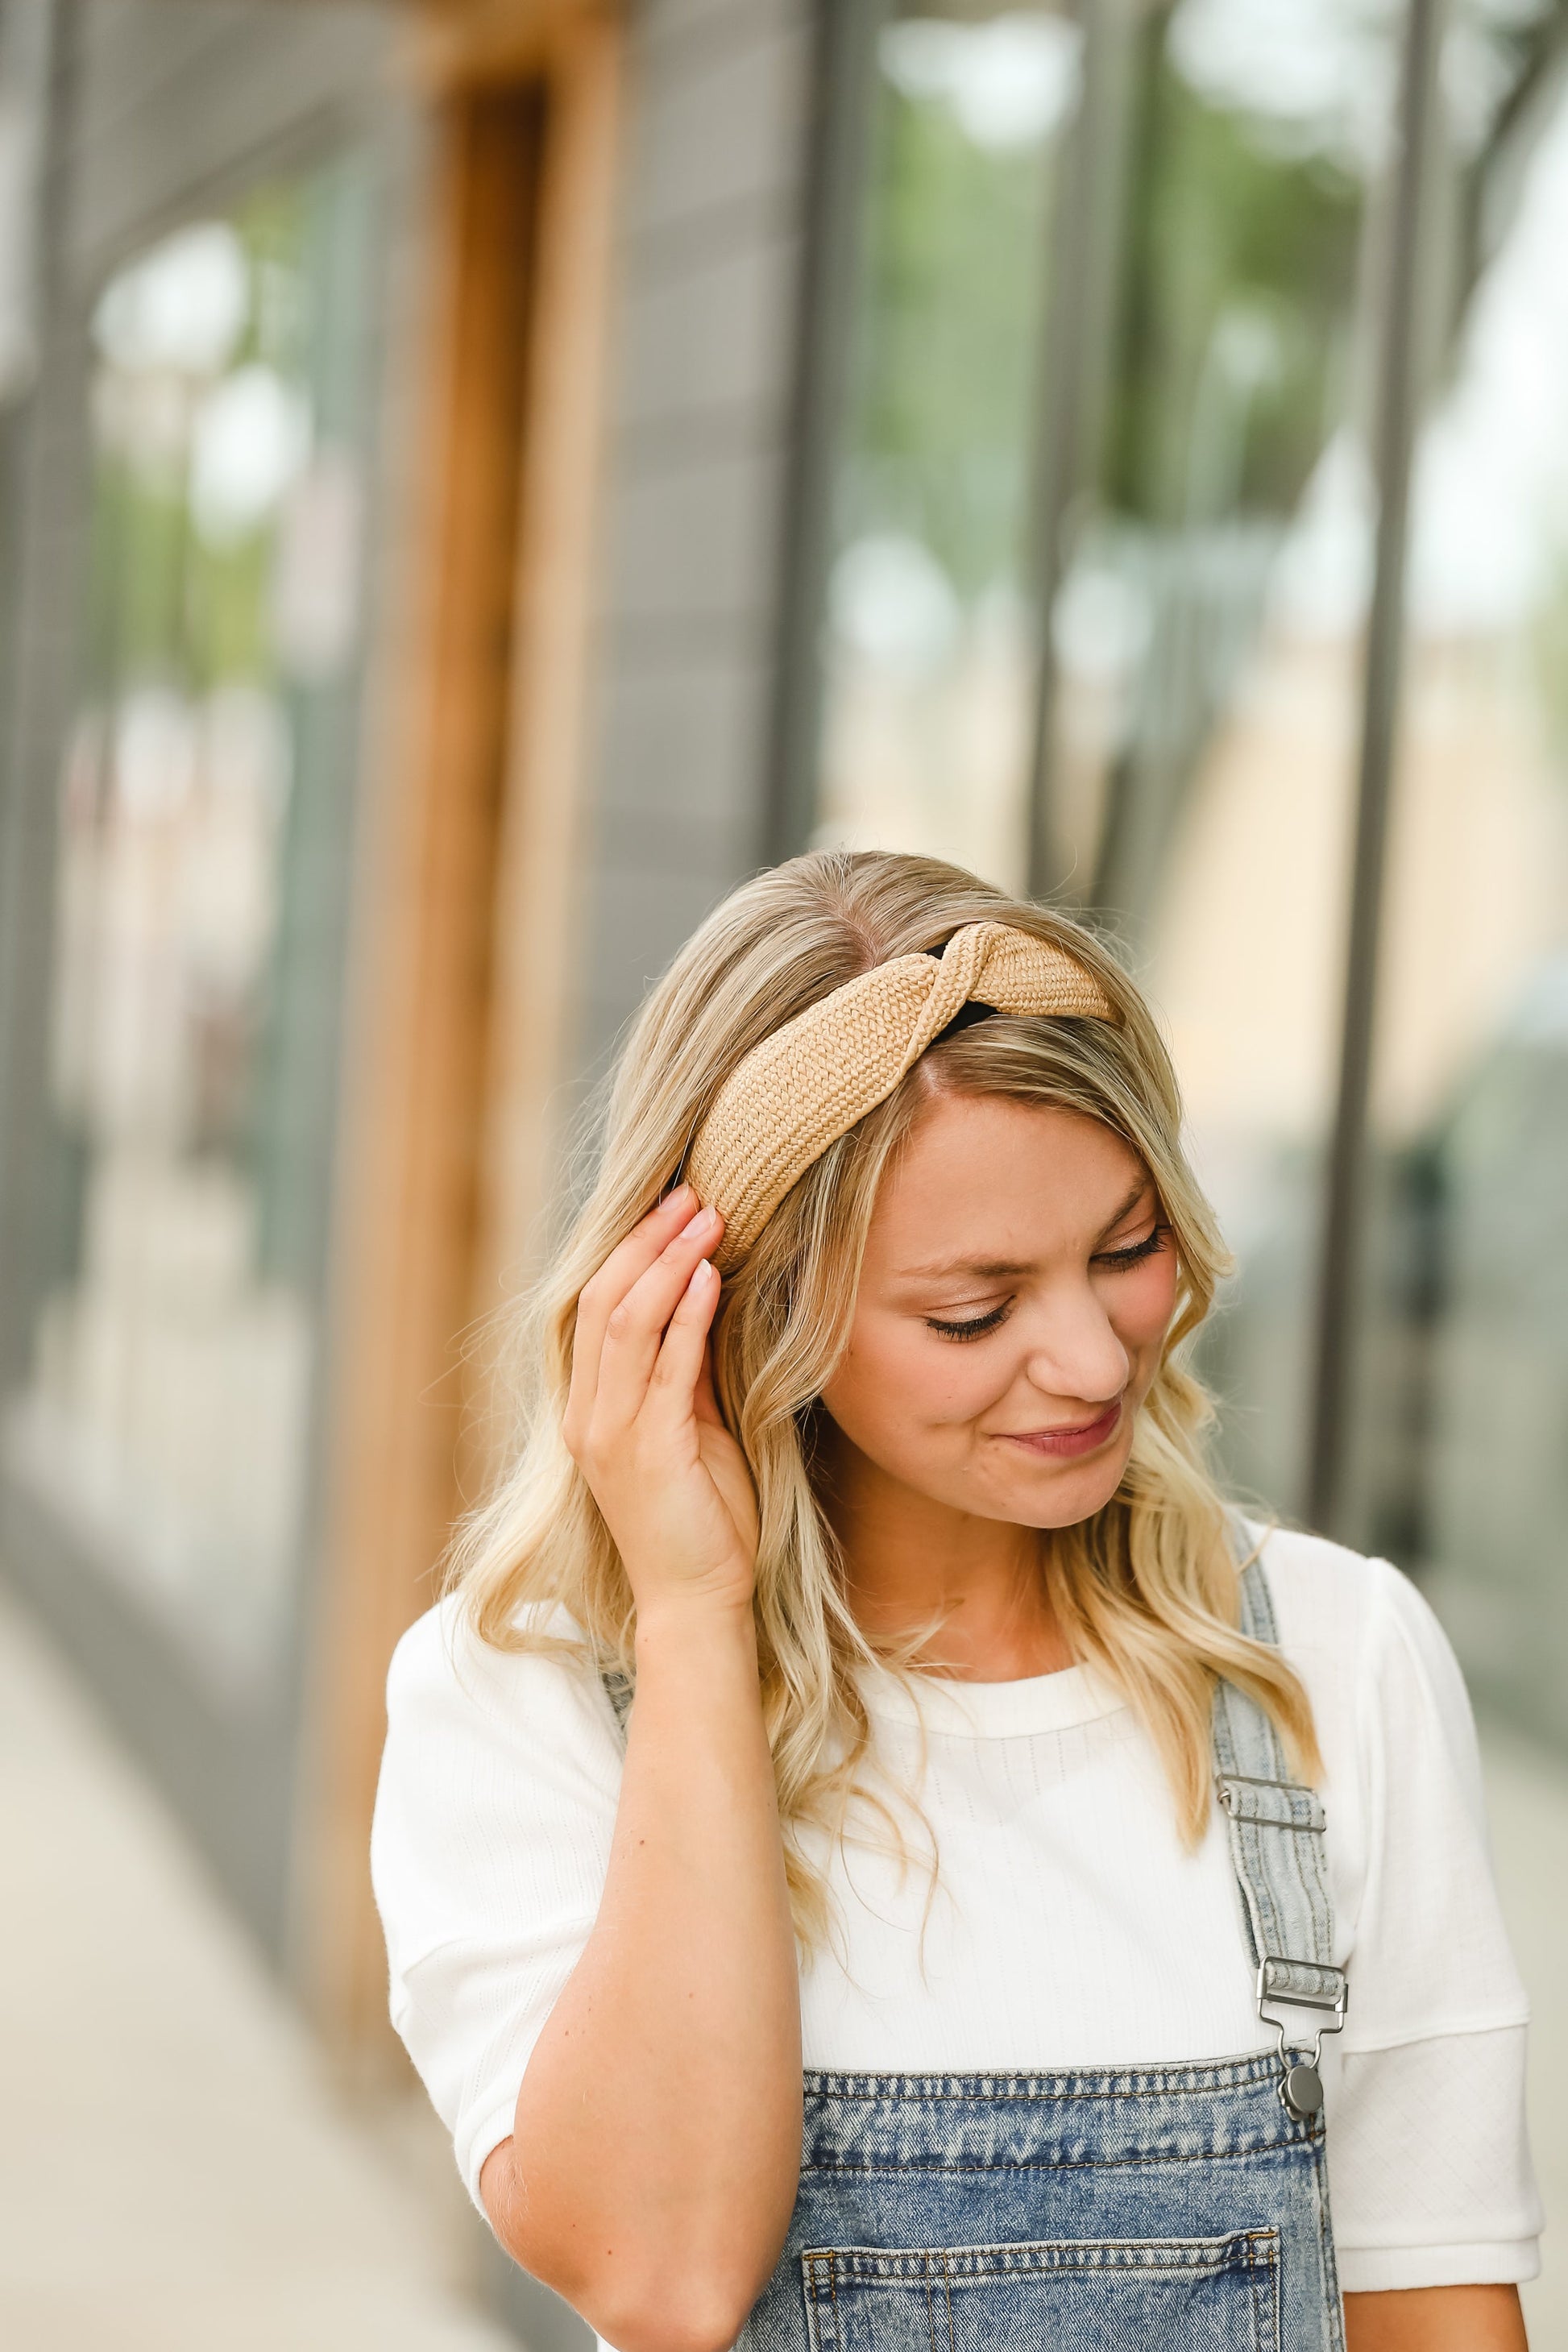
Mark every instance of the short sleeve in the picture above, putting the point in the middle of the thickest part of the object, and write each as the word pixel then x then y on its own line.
pixel 1429 2167
pixel 494 1814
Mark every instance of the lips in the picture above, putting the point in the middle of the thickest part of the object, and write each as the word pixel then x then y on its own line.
pixel 1065 1444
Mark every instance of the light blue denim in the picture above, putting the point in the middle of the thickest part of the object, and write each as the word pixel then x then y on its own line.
pixel 1169 2208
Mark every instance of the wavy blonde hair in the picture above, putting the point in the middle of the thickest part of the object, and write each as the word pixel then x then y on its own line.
pixel 1146 1590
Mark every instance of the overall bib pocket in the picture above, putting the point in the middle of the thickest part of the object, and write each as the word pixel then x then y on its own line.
pixel 1205 2294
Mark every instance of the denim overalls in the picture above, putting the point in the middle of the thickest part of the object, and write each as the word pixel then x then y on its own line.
pixel 1149 2208
pixel 1145 2209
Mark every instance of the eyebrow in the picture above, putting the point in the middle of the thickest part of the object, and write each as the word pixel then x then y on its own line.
pixel 990 1269
pixel 998 1269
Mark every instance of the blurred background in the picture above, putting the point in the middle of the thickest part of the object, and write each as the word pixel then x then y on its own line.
pixel 474 482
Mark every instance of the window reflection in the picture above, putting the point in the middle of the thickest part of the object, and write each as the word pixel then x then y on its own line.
pixel 929 635
pixel 1207 639
pixel 166 1412
pixel 1178 417
pixel 1464 1394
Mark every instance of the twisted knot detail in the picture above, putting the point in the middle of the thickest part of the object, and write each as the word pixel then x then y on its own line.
pixel 806 1085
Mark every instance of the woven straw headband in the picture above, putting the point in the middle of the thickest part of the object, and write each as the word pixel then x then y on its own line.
pixel 807 1084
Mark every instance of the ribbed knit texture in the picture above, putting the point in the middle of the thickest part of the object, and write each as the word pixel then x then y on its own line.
pixel 806 1085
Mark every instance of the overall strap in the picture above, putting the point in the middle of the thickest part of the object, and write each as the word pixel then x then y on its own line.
pixel 1277 1832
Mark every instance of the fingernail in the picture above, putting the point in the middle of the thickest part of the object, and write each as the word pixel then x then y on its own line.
pixel 705 1221
pixel 682 1194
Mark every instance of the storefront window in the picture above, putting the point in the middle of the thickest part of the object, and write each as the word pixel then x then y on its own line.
pixel 929 635
pixel 1166 405
pixel 1462 1419
pixel 1123 318
pixel 1206 641
pixel 203 837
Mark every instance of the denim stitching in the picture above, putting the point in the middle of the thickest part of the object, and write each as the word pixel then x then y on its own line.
pixel 1263 2269
pixel 1141 2082
pixel 811 2290
pixel 894 2170
pixel 1251 2250
pixel 1331 2269
pixel 1266 2236
pixel 1038 2101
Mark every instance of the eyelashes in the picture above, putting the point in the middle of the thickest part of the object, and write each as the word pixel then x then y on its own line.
pixel 1116 1261
pixel 973 1329
pixel 1149 1246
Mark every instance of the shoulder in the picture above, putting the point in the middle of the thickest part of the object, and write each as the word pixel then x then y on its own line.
pixel 447 1691
pixel 494 1813
pixel 1338 1608
pixel 1386 1690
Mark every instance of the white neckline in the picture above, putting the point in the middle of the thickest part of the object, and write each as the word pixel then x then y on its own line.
pixel 990 1710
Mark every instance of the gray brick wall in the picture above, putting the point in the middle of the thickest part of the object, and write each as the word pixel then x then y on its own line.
pixel 712 207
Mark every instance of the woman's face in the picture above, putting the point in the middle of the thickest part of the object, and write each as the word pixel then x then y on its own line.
pixel 1017 1287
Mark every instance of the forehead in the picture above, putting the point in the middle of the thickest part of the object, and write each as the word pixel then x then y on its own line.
pixel 985 1180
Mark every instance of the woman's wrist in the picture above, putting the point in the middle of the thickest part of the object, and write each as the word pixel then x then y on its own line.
pixel 679 1626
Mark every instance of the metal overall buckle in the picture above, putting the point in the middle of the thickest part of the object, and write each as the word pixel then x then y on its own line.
pixel 1300 2083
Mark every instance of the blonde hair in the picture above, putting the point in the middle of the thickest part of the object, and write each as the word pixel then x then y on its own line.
pixel 1146 1590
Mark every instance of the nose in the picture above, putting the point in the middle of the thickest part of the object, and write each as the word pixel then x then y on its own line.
pixel 1073 1350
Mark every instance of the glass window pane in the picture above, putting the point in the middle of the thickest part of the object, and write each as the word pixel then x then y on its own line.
pixel 1207 640
pixel 202 839
pixel 1463 1418
pixel 929 635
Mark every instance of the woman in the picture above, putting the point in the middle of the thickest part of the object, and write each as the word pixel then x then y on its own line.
pixel 977 1762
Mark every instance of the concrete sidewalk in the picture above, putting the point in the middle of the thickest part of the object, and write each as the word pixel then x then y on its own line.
pixel 175 2174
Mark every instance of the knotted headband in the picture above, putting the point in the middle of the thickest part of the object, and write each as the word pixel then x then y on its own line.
pixel 807 1084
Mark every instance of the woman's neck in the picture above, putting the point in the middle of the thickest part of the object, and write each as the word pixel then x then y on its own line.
pixel 911 1563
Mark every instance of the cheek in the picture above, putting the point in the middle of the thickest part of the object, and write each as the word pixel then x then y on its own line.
pixel 896 1378
pixel 1145 1302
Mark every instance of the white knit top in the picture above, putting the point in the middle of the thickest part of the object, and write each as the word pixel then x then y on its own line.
pixel 1071 1927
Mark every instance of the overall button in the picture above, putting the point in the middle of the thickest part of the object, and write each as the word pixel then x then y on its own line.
pixel 1302 2090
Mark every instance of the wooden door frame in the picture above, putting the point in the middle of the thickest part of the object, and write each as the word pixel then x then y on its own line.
pixel 465 970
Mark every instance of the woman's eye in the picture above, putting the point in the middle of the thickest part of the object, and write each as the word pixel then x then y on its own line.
pixel 1136 1252
pixel 973 1327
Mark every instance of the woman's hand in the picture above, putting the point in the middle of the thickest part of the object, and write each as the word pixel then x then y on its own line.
pixel 643 1423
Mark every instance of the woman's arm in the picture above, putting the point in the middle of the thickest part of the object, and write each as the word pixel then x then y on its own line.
pixel 1436 2319
pixel 656 2147
pixel 657 2142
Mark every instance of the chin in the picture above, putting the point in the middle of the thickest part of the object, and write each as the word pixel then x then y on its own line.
pixel 1065 1498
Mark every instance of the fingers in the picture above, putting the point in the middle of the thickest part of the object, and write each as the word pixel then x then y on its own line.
pixel 680 1370
pixel 635 1328
pixel 604 1293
